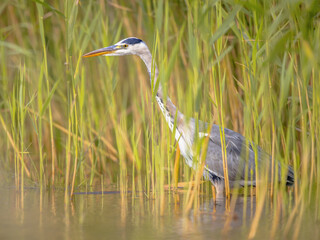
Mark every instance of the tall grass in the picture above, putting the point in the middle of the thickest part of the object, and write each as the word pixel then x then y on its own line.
pixel 251 66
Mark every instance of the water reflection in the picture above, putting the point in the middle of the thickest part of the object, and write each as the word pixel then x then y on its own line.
pixel 113 216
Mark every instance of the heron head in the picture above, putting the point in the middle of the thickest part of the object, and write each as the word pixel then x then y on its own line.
pixel 128 46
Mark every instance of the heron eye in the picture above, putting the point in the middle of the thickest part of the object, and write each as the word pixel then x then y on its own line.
pixel 125 45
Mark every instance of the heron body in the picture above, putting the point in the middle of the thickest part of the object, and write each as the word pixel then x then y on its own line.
pixel 241 156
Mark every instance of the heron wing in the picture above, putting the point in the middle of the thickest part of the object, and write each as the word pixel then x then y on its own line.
pixel 240 154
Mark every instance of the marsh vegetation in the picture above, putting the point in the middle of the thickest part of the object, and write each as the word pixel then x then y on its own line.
pixel 251 66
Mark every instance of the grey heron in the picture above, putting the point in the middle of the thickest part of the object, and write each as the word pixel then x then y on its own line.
pixel 241 155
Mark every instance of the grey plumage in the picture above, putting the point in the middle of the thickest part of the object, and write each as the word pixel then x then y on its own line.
pixel 241 154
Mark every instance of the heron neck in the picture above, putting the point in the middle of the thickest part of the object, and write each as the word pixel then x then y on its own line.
pixel 167 107
pixel 152 69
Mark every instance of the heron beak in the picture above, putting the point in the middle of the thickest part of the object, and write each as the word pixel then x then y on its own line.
pixel 102 51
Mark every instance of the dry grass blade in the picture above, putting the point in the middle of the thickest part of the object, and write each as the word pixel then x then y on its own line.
pixel 13 145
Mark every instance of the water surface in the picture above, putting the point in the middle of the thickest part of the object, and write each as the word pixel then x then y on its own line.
pixel 112 216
